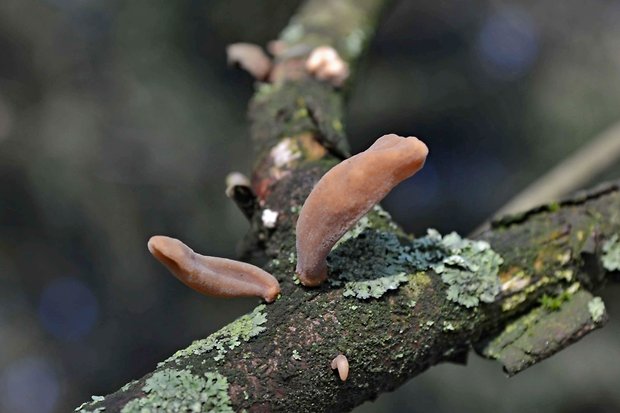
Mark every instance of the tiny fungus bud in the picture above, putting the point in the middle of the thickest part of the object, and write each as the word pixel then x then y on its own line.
pixel 347 192
pixel 341 363
pixel 239 189
pixel 269 218
pixel 251 58
pixel 218 277
pixel 325 63
pixel 236 179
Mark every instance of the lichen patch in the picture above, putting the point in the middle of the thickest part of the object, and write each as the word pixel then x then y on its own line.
pixel 611 254
pixel 382 261
pixel 596 307
pixel 227 338
pixel 470 270
pixel 94 400
pixel 380 265
pixel 369 262
pixel 173 390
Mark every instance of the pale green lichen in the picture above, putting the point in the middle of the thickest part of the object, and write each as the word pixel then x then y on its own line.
pixel 292 257
pixel 374 288
pixel 227 338
pixel 292 33
pixel 448 326
pixel 383 262
pixel 95 410
pixel 380 265
pixel 354 42
pixel 596 307
pixel 128 385
pixel 296 355
pixel 370 220
pixel 359 227
pixel 611 254
pixel 470 270
pixel 94 399
pixel 427 251
pixel 173 390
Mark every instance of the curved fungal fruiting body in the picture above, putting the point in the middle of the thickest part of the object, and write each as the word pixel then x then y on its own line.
pixel 341 364
pixel 347 192
pixel 251 58
pixel 218 277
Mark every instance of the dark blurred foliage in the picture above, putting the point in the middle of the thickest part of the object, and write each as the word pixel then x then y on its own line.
pixel 120 119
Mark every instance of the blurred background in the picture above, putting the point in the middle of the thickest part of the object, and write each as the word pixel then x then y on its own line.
pixel 120 120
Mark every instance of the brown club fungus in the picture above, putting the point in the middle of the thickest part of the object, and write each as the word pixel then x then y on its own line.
pixel 251 58
pixel 213 276
pixel 341 364
pixel 347 192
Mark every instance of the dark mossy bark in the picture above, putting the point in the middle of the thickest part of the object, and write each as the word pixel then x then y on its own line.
pixel 285 367
pixel 278 358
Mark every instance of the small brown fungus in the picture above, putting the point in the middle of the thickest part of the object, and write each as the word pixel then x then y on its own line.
pixel 326 64
pixel 251 58
pixel 341 364
pixel 347 192
pixel 214 276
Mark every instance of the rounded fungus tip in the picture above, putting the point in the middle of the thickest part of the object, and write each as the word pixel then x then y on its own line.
pixel 213 276
pixel 237 179
pixel 326 64
pixel 251 58
pixel 341 364
pixel 345 193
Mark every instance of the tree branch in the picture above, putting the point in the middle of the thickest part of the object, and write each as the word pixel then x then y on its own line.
pixel 593 158
pixel 278 357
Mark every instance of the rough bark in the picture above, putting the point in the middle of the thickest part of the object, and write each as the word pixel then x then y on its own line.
pixel 278 358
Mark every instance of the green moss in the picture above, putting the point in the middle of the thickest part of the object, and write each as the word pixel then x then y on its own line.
pixel 227 338
pixel 554 303
pixel 470 270
pixel 553 207
pixel 541 333
pixel 300 113
pixel 173 390
pixel 596 307
pixel 513 301
pixel 611 254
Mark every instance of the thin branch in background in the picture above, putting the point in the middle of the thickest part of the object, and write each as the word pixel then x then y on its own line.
pixel 569 175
